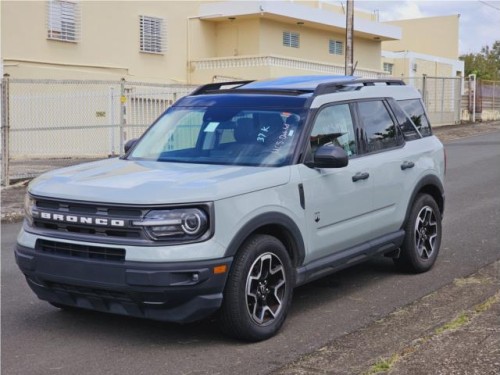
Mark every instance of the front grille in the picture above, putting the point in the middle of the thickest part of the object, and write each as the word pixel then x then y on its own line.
pixel 97 211
pixel 86 229
pixel 80 251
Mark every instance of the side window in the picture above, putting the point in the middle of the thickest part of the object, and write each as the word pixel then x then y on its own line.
pixel 405 124
pixel 378 125
pixel 415 109
pixel 334 124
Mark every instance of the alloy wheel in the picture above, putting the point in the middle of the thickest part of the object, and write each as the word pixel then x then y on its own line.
pixel 265 288
pixel 426 232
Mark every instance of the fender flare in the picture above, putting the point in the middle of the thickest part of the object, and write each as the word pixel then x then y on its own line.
pixel 427 181
pixel 270 218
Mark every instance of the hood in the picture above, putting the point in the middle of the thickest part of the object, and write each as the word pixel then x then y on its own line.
pixel 149 182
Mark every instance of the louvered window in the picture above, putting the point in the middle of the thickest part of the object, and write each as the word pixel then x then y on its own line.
pixel 63 20
pixel 388 67
pixel 335 47
pixel 153 35
pixel 291 39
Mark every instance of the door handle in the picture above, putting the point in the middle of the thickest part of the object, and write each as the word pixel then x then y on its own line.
pixel 407 165
pixel 360 176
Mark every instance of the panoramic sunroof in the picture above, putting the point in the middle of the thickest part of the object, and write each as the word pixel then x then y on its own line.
pixel 296 83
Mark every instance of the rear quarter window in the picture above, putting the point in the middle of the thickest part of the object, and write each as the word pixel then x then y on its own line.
pixel 415 109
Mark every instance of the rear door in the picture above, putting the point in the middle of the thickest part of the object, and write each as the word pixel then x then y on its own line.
pixel 393 172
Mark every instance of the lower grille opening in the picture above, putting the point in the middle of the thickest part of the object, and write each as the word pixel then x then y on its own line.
pixel 90 292
pixel 81 251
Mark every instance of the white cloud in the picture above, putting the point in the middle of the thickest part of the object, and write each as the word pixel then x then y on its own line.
pixel 403 10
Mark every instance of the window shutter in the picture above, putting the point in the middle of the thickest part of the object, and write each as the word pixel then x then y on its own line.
pixel 291 39
pixel 152 35
pixel 335 47
pixel 63 20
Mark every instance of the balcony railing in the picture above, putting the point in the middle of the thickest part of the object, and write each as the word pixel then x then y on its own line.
pixel 218 64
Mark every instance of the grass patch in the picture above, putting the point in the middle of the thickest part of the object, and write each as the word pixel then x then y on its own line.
pixel 471 280
pixel 383 365
pixel 486 305
pixel 458 322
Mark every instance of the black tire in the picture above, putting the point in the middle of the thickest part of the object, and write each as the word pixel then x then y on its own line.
pixel 423 236
pixel 258 290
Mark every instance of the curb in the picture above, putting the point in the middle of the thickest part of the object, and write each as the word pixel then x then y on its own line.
pixel 405 334
pixel 12 217
pixel 13 193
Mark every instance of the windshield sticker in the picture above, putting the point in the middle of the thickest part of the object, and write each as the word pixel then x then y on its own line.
pixel 282 138
pixel 261 137
pixel 211 127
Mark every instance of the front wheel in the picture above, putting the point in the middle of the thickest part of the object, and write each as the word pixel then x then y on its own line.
pixel 423 236
pixel 258 290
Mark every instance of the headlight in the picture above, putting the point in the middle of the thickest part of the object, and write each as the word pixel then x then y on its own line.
pixel 180 224
pixel 28 208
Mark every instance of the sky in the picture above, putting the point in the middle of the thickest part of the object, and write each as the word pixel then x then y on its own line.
pixel 479 20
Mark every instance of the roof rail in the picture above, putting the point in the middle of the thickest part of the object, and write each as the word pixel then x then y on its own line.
pixel 330 87
pixel 218 86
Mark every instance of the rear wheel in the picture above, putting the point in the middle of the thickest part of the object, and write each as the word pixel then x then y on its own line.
pixel 423 236
pixel 258 290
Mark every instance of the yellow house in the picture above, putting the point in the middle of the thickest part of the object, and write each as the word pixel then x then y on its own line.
pixel 185 41
pixel 428 46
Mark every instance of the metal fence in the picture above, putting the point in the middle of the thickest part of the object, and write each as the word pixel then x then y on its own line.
pixel 442 97
pixel 53 123
pixel 70 120
pixel 481 100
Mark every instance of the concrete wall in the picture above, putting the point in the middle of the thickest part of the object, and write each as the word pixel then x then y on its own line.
pixel 238 37
pixel 429 46
pixel 108 47
pixel 437 36
pixel 314 45
pixel 108 44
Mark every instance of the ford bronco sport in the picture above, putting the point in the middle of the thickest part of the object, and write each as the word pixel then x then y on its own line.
pixel 237 194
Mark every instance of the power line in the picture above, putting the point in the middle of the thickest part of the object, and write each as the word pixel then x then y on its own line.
pixel 485 3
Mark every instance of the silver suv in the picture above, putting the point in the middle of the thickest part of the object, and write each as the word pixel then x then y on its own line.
pixel 237 194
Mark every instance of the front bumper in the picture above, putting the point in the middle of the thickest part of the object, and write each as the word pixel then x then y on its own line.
pixel 177 292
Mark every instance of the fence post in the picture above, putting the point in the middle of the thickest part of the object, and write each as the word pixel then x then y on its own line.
pixel 472 77
pixel 424 89
pixel 5 130
pixel 458 101
pixel 111 117
pixel 442 99
pixel 493 109
pixel 123 109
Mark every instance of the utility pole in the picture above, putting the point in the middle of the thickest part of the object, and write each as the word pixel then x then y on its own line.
pixel 349 36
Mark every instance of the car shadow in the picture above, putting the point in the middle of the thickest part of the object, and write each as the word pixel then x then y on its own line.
pixel 111 327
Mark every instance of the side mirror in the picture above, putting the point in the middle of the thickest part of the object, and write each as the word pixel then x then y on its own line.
pixel 329 156
pixel 130 143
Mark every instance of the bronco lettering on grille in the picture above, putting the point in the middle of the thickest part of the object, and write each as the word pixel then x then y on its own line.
pixel 82 219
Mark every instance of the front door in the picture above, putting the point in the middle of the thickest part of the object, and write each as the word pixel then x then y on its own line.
pixel 338 201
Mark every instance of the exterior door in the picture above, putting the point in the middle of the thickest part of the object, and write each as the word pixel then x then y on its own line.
pixel 386 150
pixel 337 206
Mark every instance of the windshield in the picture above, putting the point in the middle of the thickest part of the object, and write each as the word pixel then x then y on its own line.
pixel 222 135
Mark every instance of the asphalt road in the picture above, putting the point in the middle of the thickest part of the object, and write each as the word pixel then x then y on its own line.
pixel 40 339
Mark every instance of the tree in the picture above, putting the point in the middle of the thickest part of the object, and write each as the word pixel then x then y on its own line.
pixel 485 64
